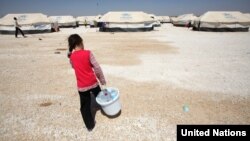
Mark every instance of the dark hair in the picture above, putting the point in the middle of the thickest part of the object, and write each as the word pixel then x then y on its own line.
pixel 73 41
pixel 15 18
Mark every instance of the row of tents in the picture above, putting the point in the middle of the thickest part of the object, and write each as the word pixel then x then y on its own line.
pixel 215 21
pixel 38 22
pixel 129 21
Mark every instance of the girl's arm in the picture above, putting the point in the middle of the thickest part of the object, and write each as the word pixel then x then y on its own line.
pixel 97 69
pixel 69 54
pixel 71 64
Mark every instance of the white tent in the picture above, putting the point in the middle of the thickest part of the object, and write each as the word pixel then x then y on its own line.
pixel 127 21
pixel 247 15
pixel 30 23
pixel 172 19
pixel 164 19
pixel 88 19
pixel 64 21
pixel 222 21
pixel 183 20
pixel 81 20
pixel 156 19
pixel 98 18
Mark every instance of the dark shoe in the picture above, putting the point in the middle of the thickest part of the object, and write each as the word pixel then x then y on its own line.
pixel 90 129
pixel 24 36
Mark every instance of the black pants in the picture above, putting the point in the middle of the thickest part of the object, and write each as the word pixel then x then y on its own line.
pixel 85 101
pixel 18 29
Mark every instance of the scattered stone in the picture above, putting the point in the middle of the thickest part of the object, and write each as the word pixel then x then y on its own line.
pixel 45 104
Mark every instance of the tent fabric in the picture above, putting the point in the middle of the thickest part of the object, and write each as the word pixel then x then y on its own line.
pixel 98 18
pixel 127 21
pixel 29 22
pixel 157 22
pixel 222 21
pixel 163 19
pixel 81 20
pixel 247 15
pixel 183 20
pixel 25 19
pixel 89 19
pixel 126 17
pixel 172 19
pixel 64 21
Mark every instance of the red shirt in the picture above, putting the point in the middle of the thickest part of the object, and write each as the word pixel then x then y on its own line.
pixel 83 68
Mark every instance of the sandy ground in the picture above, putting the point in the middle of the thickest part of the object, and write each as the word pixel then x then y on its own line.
pixel 156 72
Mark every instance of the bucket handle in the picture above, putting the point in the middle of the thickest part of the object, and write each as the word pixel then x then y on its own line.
pixel 103 87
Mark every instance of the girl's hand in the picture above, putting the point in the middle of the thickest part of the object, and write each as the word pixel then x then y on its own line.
pixel 104 84
pixel 103 87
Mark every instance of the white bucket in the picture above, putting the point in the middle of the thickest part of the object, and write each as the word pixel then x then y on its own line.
pixel 113 106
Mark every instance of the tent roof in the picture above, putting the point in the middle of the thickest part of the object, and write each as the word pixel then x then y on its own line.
pixel 152 15
pixel 127 17
pixel 98 18
pixel 247 15
pixel 87 18
pixel 185 17
pixel 24 19
pixel 62 19
pixel 163 17
pixel 80 18
pixel 224 17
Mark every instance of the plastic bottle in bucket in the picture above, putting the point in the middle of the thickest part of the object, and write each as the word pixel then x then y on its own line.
pixel 106 96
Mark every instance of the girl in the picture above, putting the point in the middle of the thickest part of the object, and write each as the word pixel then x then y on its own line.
pixel 87 71
pixel 17 26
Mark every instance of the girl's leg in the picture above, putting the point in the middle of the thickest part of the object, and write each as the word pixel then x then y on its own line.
pixel 94 105
pixel 16 32
pixel 85 101
pixel 21 31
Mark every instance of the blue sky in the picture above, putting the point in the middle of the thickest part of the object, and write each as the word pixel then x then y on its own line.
pixel 95 7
